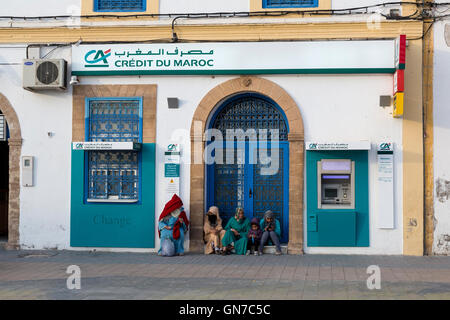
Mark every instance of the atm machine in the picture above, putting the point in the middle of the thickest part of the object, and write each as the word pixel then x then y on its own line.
pixel 336 184
pixel 337 198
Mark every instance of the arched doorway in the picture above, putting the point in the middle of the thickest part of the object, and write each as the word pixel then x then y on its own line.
pixel 251 167
pixel 198 183
pixel 14 150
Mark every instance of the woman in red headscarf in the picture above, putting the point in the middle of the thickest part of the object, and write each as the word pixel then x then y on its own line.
pixel 173 224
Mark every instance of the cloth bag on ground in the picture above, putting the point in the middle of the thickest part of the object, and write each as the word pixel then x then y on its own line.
pixel 167 248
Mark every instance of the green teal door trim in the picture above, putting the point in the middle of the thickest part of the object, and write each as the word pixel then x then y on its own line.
pixel 338 227
pixel 115 225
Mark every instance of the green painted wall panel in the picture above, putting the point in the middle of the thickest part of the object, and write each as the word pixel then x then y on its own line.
pixel 117 225
pixel 337 229
pixel 341 234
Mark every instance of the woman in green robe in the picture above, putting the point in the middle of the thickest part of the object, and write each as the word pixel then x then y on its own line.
pixel 236 232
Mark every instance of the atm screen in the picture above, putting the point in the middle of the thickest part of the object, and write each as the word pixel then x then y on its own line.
pixel 331 193
pixel 336 188
pixel 336 176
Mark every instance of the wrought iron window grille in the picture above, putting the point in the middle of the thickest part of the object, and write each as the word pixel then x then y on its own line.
pixel 290 3
pixel 119 5
pixel 113 175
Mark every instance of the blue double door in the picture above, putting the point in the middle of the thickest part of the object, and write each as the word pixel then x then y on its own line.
pixel 253 175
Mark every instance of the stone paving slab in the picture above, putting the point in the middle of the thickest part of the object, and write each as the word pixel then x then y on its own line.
pixel 42 275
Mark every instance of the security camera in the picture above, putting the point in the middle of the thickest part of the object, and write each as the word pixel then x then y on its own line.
pixel 74 80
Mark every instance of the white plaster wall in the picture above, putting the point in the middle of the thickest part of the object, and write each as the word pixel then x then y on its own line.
pixel 44 208
pixel 62 7
pixel 345 4
pixel 376 10
pixel 183 6
pixel 342 108
pixel 346 108
pixel 171 125
pixel 200 6
pixel 334 107
pixel 30 8
pixel 441 119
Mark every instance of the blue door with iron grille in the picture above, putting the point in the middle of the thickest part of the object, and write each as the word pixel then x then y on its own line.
pixel 251 164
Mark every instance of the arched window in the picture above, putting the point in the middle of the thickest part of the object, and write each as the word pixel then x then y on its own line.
pixel 250 111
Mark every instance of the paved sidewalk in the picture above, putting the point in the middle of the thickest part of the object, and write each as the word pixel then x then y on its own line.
pixel 42 275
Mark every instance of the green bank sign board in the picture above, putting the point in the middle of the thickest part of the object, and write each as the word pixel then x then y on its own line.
pixel 375 56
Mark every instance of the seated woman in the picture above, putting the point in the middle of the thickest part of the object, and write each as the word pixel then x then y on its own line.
pixel 236 232
pixel 173 224
pixel 213 231
pixel 271 231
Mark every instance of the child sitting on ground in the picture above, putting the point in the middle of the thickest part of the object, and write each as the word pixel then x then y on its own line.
pixel 254 237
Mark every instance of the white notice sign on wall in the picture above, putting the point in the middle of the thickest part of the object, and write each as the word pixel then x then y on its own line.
pixel 385 186
pixel 172 171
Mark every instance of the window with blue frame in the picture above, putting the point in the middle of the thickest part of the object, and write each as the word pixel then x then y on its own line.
pixel 113 175
pixel 290 3
pixel 119 5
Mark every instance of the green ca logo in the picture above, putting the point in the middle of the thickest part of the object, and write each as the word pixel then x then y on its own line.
pixel 385 146
pixel 313 145
pixel 99 58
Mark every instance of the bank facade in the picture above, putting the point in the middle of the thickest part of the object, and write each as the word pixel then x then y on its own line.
pixel 335 103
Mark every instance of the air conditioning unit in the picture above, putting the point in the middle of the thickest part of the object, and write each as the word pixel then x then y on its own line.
pixel 40 74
